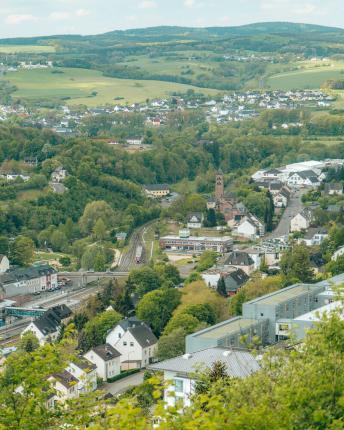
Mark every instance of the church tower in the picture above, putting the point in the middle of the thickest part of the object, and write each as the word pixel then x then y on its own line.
pixel 219 187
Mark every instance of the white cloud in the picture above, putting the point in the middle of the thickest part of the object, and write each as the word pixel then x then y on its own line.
pixel 59 16
pixel 306 9
pixel 189 3
pixel 147 4
pixel 20 18
pixel 83 12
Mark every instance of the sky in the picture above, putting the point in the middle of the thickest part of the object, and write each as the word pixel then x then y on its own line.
pixel 45 17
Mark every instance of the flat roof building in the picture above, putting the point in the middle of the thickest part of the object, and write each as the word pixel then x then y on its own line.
pixel 196 244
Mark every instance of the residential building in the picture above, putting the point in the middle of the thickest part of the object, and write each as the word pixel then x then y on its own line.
pixel 135 141
pixel 337 253
pixel 306 178
pixel 59 174
pixel 250 227
pixel 106 358
pixel 157 191
pixel 334 188
pixel 47 327
pixel 135 341
pixel 86 374
pixel 302 220
pixel 179 372
pixel 314 236
pixel 65 386
pixel 240 260
pixel 4 263
pixel 234 280
pixel 28 280
pixel 196 244
pixel 194 220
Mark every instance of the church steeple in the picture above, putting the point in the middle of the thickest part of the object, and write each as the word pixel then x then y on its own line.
pixel 219 186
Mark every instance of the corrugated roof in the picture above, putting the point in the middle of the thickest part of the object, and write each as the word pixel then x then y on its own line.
pixel 285 294
pixel 226 328
pixel 239 363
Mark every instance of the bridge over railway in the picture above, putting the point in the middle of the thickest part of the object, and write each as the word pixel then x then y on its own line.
pixel 24 312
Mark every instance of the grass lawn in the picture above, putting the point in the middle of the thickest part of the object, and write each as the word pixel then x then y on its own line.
pixel 53 258
pixel 309 76
pixel 77 85
pixel 36 49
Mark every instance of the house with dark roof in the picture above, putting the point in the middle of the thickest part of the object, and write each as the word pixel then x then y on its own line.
pixel 137 345
pixel 240 260
pixel 194 220
pixel 106 360
pixel 234 280
pixel 303 178
pixel 47 327
pixel 28 280
pixel 334 188
pixel 65 386
pixel 314 236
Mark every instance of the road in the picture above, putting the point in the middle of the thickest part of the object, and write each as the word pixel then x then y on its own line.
pixel 293 208
pixel 122 385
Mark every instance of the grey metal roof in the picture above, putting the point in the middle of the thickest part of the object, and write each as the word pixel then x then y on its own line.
pixel 239 258
pixel 239 363
pixel 143 334
pixel 157 187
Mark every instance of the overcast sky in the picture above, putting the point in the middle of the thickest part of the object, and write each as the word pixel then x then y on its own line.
pixel 44 17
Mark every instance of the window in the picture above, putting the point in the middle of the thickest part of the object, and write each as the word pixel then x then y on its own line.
pixel 119 335
pixel 124 343
pixel 178 385
pixel 131 343
pixel 261 314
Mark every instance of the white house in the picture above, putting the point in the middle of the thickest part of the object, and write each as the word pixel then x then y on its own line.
pixel 194 220
pixel 137 345
pixel 180 371
pixel 47 327
pixel 339 252
pixel 4 263
pixel 85 372
pixel 106 359
pixel 65 386
pixel 314 236
pixel 334 188
pixel 59 174
pixel 250 227
pixel 118 331
pixel 301 221
pixel 306 178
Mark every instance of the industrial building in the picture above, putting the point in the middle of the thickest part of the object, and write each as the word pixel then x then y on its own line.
pixel 271 317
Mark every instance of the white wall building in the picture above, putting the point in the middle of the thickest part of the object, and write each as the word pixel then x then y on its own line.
pixel 180 371
pixel 4 264
pixel 106 359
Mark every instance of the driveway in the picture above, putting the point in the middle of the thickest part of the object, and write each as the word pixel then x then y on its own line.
pixel 294 207
pixel 122 385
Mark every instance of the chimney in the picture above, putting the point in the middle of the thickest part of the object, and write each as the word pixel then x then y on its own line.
pixel 187 356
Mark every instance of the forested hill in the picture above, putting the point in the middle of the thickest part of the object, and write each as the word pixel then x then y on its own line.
pixel 170 33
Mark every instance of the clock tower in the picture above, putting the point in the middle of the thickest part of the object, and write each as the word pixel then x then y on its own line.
pixel 219 187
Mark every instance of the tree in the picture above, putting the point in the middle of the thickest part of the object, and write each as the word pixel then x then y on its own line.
pixel 211 218
pixel 58 241
pixel 171 344
pixel 187 322
pixel 95 211
pixel 65 261
pixel 207 260
pixel 156 307
pixel 99 263
pixel 144 280
pixel 336 267
pixel 204 312
pixel 221 287
pixel 4 245
pixel 22 251
pixel 95 331
pixel 99 229
pixel 28 342
pixel 296 265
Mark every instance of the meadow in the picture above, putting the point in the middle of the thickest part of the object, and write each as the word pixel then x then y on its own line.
pixel 89 87
pixel 26 49
pixel 310 75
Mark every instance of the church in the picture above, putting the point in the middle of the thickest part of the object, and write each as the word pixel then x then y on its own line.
pixel 226 203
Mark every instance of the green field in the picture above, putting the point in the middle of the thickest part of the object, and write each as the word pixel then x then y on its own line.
pixel 309 76
pixel 26 49
pixel 78 85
